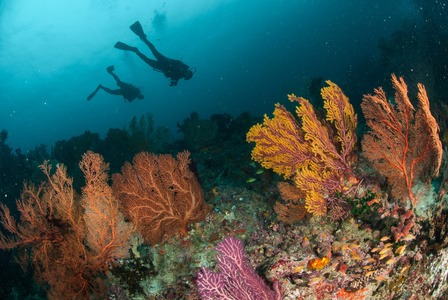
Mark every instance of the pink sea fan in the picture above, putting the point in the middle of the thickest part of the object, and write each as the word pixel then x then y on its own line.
pixel 236 280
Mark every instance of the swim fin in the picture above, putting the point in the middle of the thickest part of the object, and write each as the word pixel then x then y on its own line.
pixel 138 30
pixel 94 92
pixel 123 46
pixel 110 69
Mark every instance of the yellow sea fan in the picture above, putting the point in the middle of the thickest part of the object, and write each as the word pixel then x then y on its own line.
pixel 315 203
pixel 309 177
pixel 314 131
pixel 314 176
pixel 280 145
pixel 341 113
pixel 307 149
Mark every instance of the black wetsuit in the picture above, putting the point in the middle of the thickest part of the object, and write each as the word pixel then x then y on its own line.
pixel 171 68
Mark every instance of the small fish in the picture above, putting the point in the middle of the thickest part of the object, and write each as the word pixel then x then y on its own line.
pixel 373 201
pixel 354 246
pixel 385 238
pixel 259 171
pixel 385 250
pixel 400 249
pixel 369 273
pixel 375 250
pixel 298 269
pixel 380 278
pixel 409 237
pixel 315 280
pixel 384 255
pixel 251 180
pixel 405 268
pixel 355 255
pixel 388 245
pixel 367 267
pixel 391 261
pixel 371 260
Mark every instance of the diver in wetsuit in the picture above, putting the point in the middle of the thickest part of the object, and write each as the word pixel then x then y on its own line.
pixel 127 90
pixel 172 68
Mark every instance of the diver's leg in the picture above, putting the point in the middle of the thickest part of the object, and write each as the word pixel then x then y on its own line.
pixel 110 91
pixel 153 63
pixel 111 72
pixel 154 51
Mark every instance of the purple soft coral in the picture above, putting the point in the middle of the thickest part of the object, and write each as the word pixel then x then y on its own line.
pixel 237 280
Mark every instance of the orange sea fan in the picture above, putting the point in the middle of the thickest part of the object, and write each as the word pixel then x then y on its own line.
pixel 160 195
pixel 403 143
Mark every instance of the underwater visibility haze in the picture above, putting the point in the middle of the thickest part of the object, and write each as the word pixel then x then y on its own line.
pixel 223 149
pixel 248 55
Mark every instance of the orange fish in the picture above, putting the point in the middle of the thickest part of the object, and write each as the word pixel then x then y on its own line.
pixel 298 269
pixel 354 246
pixel 388 245
pixel 369 273
pixel 400 249
pixel 355 255
pixel 385 250
pixel 391 261
pixel 315 280
pixel 384 255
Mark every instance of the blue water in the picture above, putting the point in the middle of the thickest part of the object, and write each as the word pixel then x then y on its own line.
pixel 248 55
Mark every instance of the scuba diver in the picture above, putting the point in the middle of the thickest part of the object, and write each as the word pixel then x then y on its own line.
pixel 127 90
pixel 171 68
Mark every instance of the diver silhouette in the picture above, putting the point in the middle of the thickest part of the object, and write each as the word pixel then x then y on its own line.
pixel 127 90
pixel 171 68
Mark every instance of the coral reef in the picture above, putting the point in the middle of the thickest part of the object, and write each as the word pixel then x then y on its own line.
pixel 198 133
pixel 255 218
pixel 144 136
